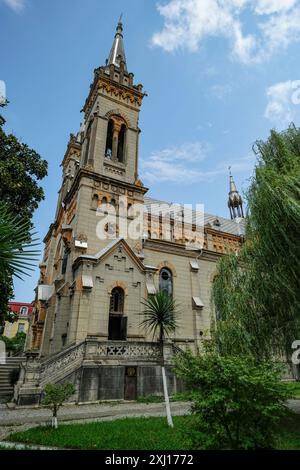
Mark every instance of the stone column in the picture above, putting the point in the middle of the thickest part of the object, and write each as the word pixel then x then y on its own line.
pixel 117 128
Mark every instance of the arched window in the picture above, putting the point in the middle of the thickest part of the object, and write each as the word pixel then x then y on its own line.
pixel 23 311
pixel 117 301
pixel 117 326
pixel 109 139
pixel 121 144
pixel 166 281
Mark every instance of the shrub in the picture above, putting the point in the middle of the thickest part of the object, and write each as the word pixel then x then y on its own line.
pixel 236 401
pixel 55 395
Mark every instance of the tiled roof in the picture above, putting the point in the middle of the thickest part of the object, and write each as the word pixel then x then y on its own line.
pixel 217 223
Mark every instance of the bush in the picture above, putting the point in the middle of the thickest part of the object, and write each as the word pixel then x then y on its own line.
pixel 236 401
pixel 55 395
pixel 16 344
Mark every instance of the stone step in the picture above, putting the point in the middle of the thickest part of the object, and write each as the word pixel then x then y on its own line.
pixel 5 369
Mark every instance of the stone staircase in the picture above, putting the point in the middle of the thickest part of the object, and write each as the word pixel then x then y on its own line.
pixel 14 362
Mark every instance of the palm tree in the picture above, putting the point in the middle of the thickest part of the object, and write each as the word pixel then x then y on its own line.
pixel 160 316
pixel 16 243
pixel 16 253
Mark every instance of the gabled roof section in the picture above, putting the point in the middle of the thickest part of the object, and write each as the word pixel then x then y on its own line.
pixel 109 249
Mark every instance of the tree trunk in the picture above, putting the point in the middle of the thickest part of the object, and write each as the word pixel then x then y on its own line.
pixel 167 401
pixel 54 422
pixel 54 417
pixel 163 373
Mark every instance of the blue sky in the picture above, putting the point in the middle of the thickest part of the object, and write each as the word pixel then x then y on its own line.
pixel 218 73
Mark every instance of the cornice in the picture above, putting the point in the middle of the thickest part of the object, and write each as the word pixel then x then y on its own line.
pixel 83 172
pixel 180 250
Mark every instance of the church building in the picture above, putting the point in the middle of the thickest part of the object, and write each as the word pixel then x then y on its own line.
pixel 104 256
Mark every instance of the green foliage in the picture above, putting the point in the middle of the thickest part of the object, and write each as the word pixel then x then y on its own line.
pixel 16 254
pixel 16 344
pixel 289 432
pixel 256 293
pixel 20 169
pixel 236 401
pixel 56 394
pixel 292 389
pixel 11 317
pixel 160 314
pixel 16 244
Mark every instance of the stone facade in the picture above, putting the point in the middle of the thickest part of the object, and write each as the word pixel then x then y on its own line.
pixel 87 322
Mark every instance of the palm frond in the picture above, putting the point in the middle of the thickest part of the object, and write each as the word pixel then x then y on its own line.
pixel 16 243
pixel 160 314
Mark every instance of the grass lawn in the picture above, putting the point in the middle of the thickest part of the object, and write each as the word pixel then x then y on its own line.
pixel 293 389
pixel 136 434
pixel 122 434
pixel 289 438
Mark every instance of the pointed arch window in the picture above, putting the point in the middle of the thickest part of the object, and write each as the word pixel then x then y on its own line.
pixel 117 326
pixel 116 139
pixel 117 301
pixel 109 139
pixel 166 281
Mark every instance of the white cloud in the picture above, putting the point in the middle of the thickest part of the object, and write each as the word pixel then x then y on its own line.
pixel 282 100
pixel 16 5
pixel 187 23
pixel 181 165
pixel 273 6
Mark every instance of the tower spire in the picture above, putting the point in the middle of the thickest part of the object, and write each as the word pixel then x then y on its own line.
pixel 235 201
pixel 117 52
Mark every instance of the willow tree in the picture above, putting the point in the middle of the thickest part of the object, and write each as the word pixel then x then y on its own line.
pixel 256 293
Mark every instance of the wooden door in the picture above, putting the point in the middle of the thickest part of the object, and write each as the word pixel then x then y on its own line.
pixel 130 386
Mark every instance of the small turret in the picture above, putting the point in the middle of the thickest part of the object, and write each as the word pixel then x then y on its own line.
pixel 235 201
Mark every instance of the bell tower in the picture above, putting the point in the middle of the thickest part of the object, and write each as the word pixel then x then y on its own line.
pixel 99 182
pixel 110 132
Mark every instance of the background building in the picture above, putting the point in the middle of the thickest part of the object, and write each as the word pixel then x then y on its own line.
pixel 23 311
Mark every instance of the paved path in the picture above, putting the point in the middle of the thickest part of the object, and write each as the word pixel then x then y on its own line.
pixel 21 419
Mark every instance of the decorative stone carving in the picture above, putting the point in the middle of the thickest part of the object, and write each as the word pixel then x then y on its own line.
pixel 128 350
